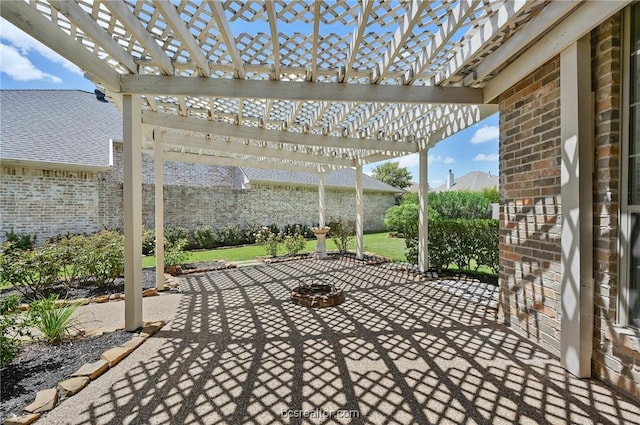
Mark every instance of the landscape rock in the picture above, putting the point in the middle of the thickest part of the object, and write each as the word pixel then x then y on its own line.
pixel 45 401
pixel 92 370
pixel 22 420
pixel 134 342
pixel 73 385
pixel 151 328
pixel 114 355
pixel 100 299
pixel 114 296
pixel 151 292
pixel 81 301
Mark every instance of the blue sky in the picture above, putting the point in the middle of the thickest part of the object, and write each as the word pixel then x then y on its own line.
pixel 27 64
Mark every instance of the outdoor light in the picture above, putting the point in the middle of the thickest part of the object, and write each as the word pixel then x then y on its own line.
pixel 100 96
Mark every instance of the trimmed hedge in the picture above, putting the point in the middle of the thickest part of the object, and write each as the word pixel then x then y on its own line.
pixel 458 242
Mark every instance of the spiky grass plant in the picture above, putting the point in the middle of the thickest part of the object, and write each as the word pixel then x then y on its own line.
pixel 53 320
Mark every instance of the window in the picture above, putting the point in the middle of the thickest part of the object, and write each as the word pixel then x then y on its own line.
pixel 630 206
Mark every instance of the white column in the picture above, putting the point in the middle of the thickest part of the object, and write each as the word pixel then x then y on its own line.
pixel 159 209
pixel 132 153
pixel 321 199
pixel 577 204
pixel 359 214
pixel 423 200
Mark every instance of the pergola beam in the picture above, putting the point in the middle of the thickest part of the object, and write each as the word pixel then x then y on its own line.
pixel 179 27
pixel 99 35
pixel 227 36
pixel 30 21
pixel 255 133
pixel 296 90
pixel 356 39
pixel 270 8
pixel 240 162
pixel 249 150
pixel 144 37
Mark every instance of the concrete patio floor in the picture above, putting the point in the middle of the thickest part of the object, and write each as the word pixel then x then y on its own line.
pixel 399 350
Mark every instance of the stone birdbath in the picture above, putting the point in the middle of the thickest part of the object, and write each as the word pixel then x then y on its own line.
pixel 321 235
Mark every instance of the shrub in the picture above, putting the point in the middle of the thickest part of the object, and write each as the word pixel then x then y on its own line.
pixel 21 241
pixel 229 235
pixel 174 254
pixel 103 259
pixel 205 237
pixel 294 241
pixel 173 234
pixel 397 217
pixel 71 251
pixel 148 241
pixel 270 239
pixel 248 233
pixel 13 325
pixel 30 271
pixel 53 320
pixel 342 231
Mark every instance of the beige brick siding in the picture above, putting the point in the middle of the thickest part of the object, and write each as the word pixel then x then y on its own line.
pixel 48 203
pixel 530 210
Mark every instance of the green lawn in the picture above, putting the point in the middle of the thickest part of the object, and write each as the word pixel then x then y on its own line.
pixel 377 243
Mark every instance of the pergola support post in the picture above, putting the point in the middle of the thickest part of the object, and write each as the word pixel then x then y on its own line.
pixel 359 214
pixel 321 199
pixel 159 211
pixel 132 152
pixel 423 221
pixel 576 264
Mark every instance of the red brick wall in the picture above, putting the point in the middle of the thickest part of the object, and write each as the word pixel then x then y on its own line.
pixel 616 356
pixel 530 207
pixel 530 211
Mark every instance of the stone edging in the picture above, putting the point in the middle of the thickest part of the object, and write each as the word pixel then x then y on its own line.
pixel 46 400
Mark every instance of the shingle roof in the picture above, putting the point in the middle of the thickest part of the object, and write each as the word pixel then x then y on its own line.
pixel 57 126
pixel 344 178
pixel 474 181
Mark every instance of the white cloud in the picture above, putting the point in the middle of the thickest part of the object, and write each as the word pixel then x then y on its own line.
pixel 435 183
pixel 485 134
pixel 20 67
pixel 24 44
pixel 409 160
pixel 483 157
pixel 434 158
pixel 448 160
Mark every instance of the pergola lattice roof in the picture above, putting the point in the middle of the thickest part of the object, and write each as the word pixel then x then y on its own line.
pixel 299 85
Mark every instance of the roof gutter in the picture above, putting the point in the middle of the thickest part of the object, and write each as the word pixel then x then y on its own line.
pixel 62 166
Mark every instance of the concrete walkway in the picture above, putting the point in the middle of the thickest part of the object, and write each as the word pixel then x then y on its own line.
pixel 399 350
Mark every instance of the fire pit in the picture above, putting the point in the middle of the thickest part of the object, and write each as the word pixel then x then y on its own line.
pixel 317 293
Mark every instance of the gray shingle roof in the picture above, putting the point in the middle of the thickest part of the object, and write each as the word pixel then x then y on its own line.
pixel 58 126
pixel 474 181
pixel 344 178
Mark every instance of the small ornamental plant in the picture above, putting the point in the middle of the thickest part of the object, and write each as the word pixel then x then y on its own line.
pixel 270 239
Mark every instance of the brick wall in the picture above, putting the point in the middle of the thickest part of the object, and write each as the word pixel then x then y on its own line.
pixel 616 356
pixel 48 202
pixel 530 213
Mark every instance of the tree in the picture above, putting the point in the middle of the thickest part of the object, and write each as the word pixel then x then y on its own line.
pixel 392 174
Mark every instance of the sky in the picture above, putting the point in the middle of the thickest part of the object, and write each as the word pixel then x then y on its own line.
pixel 27 64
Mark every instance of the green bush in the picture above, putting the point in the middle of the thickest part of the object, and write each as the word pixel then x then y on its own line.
pixel 148 241
pixel 103 260
pixel 270 239
pixel 342 231
pixel 21 241
pixel 53 320
pixel 174 254
pixel 205 237
pixel 399 216
pixel 173 234
pixel 294 241
pixel 229 236
pixel 72 249
pixel 13 325
pixel 30 272
pixel 452 204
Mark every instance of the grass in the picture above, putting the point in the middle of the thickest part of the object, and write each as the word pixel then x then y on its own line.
pixel 376 243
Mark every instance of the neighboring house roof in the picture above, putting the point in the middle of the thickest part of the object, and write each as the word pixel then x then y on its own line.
pixel 474 181
pixel 344 178
pixel 69 127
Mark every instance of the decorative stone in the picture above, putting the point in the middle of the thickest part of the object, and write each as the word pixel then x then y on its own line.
pixel 115 355
pixel 101 299
pixel 73 385
pixel 45 401
pixel 151 328
pixel 92 370
pixel 151 292
pixel 114 296
pixel 24 307
pixel 134 342
pixel 22 420
pixel 81 301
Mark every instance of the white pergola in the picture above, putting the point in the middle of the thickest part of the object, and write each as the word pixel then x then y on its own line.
pixel 298 85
